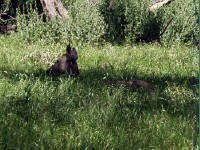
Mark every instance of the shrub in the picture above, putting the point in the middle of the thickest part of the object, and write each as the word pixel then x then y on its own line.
pixel 115 20
pixel 185 25
pixel 85 25
pixel 91 22
pixel 181 29
pixel 130 20
pixel 140 21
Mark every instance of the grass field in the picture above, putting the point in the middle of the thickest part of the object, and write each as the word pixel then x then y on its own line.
pixel 41 112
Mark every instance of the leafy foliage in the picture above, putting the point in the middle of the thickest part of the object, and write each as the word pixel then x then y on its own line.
pixel 32 28
pixel 91 22
pixel 142 22
pixel 130 20
pixel 115 20
pixel 84 26
pixel 4 6
pixel 185 26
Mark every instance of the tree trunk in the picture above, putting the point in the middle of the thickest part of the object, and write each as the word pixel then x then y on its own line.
pixel 54 8
pixel 155 5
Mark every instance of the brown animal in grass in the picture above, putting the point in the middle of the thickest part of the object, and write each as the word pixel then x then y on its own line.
pixel 66 64
pixel 134 84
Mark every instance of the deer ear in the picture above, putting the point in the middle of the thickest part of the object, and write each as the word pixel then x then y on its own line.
pixel 68 50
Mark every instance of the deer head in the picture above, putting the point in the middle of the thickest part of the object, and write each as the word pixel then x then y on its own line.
pixel 66 64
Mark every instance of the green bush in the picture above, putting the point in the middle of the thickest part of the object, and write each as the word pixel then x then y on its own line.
pixel 143 22
pixel 84 26
pixel 185 25
pixel 140 21
pixel 130 20
pixel 115 20
pixel 91 22
pixel 32 28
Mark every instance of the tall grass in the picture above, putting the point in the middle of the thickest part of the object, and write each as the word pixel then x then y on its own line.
pixel 41 112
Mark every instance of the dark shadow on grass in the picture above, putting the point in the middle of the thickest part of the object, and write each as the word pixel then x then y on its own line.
pixel 31 75
pixel 93 78
pixel 96 76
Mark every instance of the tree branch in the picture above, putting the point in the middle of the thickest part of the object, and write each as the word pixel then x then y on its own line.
pixel 53 9
pixel 9 18
pixel 158 4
